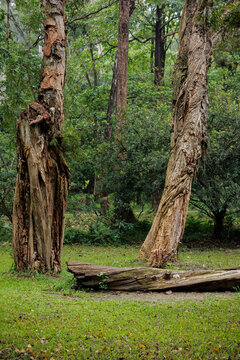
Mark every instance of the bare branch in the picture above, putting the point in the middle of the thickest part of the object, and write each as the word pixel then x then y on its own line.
pixel 170 34
pixel 108 51
pixel 85 16
pixel 17 26
pixel 140 40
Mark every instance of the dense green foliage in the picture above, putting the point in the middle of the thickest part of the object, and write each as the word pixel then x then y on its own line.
pixel 102 180
pixel 42 317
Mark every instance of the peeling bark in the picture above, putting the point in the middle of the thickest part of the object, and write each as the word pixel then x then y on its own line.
pixel 190 99
pixel 43 175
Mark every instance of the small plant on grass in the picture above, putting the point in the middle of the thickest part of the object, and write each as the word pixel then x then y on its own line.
pixel 103 283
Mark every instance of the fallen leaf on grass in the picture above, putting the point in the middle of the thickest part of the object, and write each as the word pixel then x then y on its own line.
pixel 215 349
pixel 104 350
pixel 141 346
pixel 19 351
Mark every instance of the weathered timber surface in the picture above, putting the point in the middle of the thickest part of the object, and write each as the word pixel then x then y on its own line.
pixel 152 279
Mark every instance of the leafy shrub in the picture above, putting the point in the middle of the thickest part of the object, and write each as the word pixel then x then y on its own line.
pixel 102 232
pixel 197 228
pixel 74 235
pixel 5 231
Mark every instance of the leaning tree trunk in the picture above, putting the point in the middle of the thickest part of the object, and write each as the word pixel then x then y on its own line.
pixel 190 98
pixel 43 176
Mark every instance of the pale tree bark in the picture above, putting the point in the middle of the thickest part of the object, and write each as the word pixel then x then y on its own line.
pixel 190 99
pixel 43 176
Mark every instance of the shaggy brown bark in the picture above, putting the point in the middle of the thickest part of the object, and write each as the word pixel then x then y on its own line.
pixel 190 98
pixel 133 279
pixel 43 176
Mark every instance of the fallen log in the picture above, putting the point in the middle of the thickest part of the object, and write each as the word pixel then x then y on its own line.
pixel 152 279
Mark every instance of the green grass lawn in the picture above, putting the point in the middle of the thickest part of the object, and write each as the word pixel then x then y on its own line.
pixel 41 317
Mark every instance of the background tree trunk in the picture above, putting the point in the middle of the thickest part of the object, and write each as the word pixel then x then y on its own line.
pixel 43 176
pixel 117 96
pixel 218 223
pixel 111 102
pixel 122 64
pixel 8 31
pixel 123 209
pixel 160 52
pixel 190 98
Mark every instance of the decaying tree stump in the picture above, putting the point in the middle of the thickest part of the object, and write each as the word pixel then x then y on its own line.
pixel 152 279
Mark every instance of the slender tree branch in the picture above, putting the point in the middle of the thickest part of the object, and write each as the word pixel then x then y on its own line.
pixel 17 26
pixel 108 51
pixel 140 40
pixel 170 34
pixel 167 22
pixel 151 37
pixel 93 65
pixel 31 88
pixel 85 16
pixel 88 80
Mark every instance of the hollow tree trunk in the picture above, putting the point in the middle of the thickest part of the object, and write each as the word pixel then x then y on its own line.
pixel 190 98
pixel 160 52
pixel 43 176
